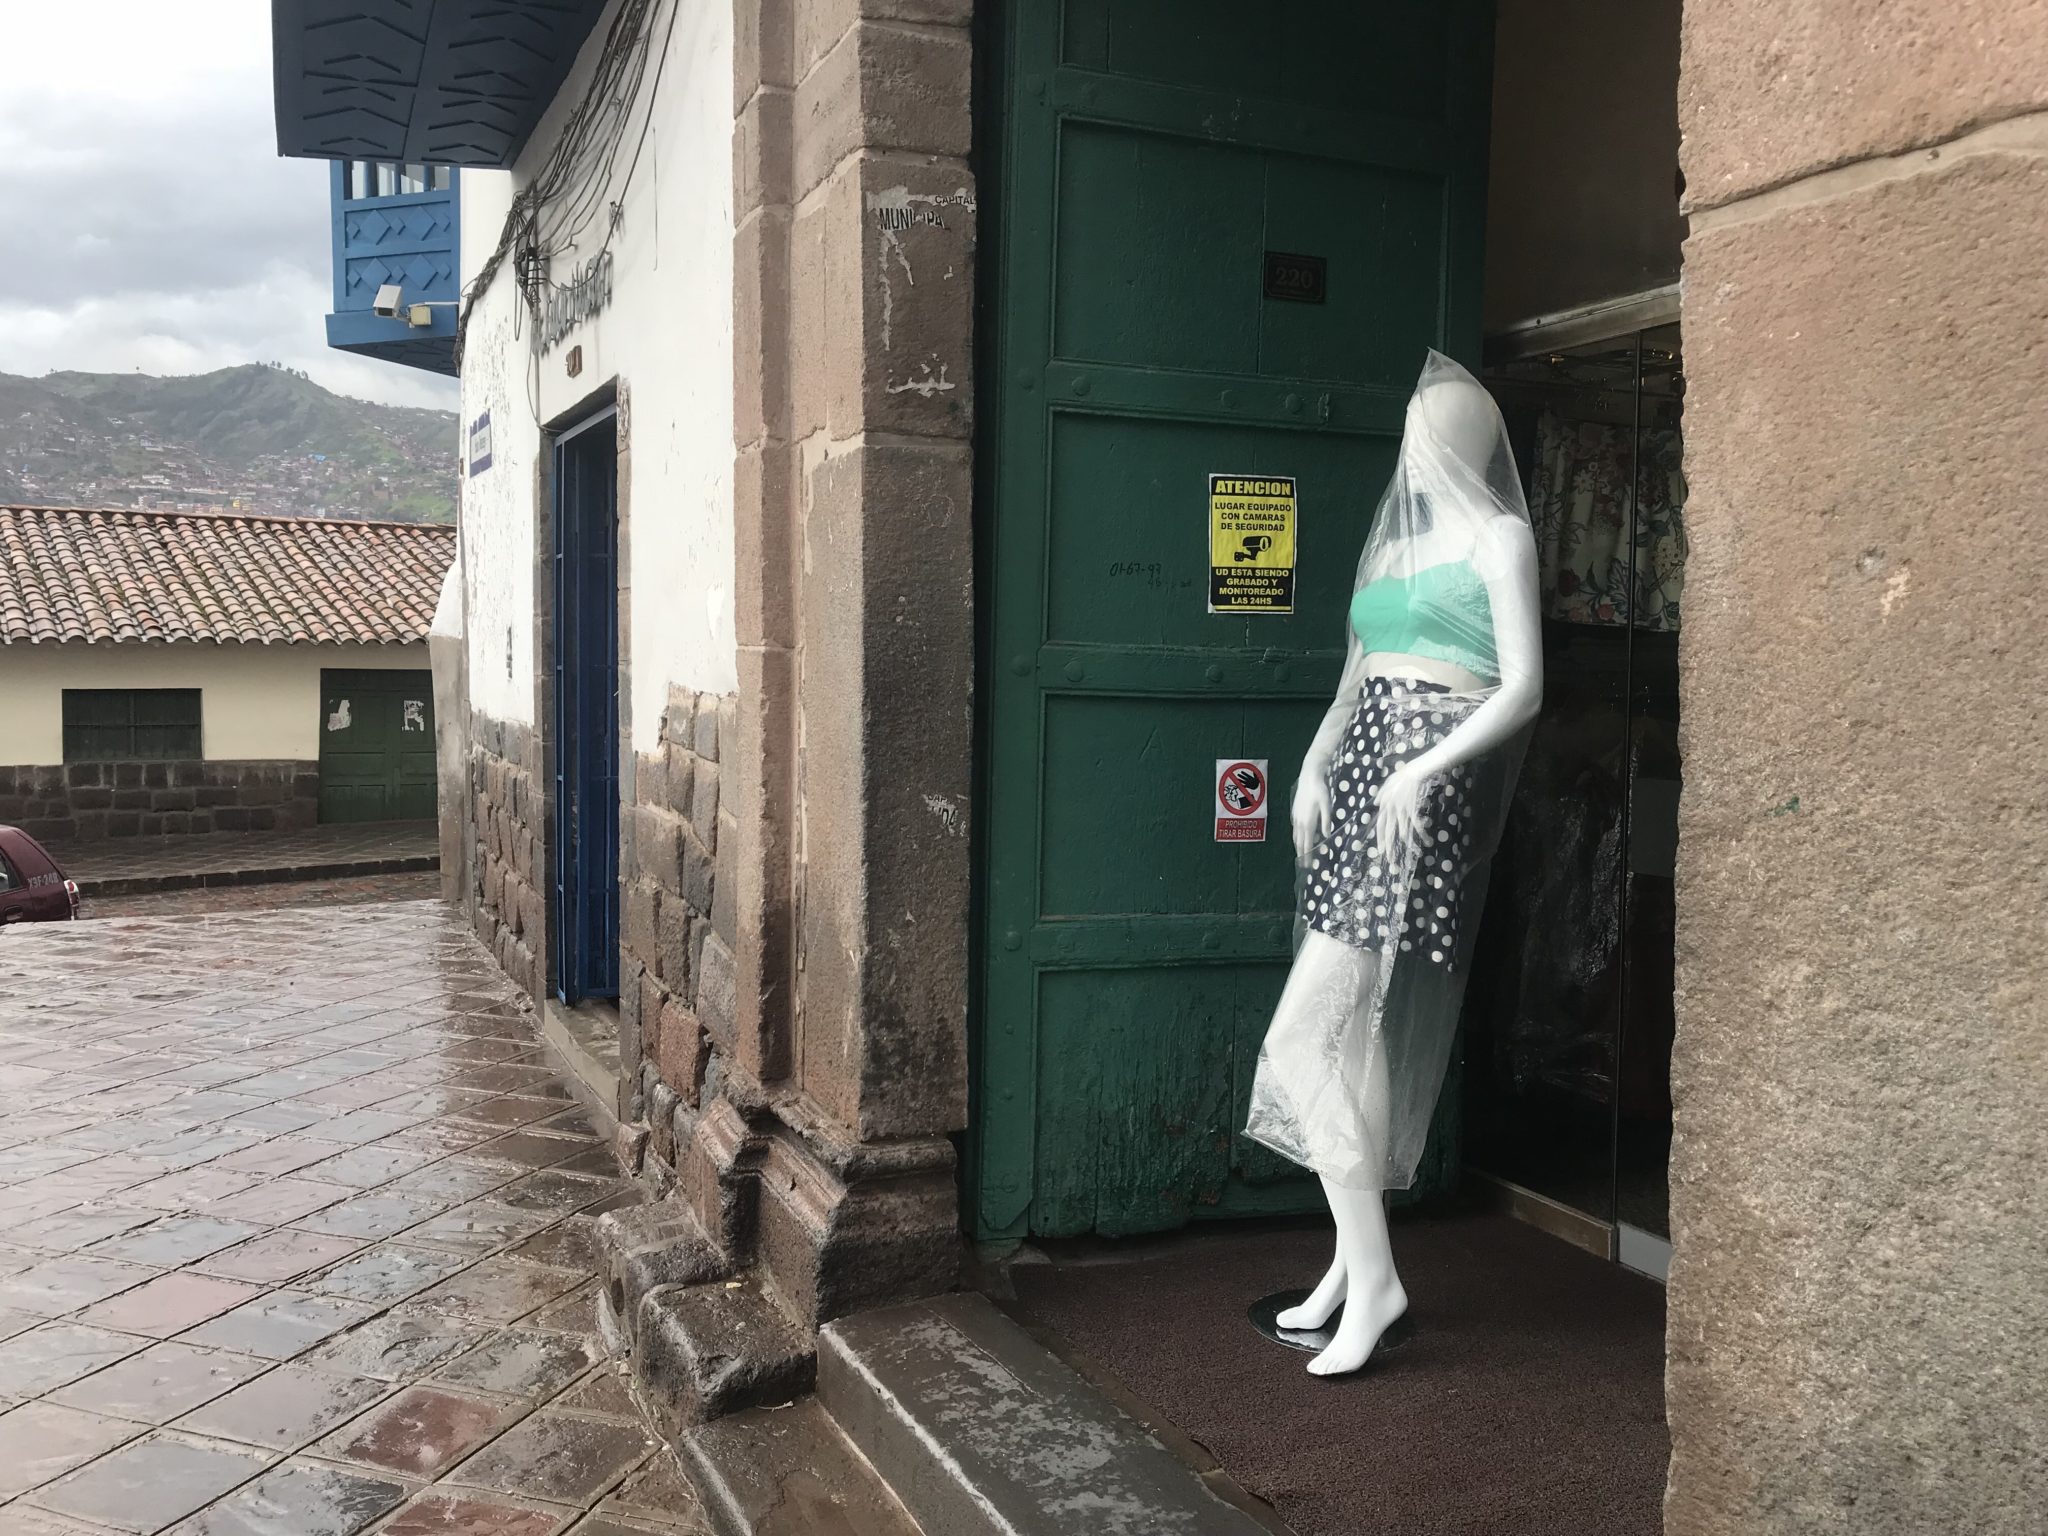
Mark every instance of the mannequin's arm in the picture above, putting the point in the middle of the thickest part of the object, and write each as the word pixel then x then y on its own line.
pixel 1311 811
pixel 1506 562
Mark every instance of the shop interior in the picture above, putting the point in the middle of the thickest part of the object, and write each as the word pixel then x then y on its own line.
pixel 1568 1019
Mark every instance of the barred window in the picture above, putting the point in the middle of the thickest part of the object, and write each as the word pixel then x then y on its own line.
pixel 124 724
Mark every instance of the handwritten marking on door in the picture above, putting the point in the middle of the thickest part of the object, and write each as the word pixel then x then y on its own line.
pixel 415 715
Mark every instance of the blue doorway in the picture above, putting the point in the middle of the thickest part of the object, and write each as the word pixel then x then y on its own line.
pixel 586 714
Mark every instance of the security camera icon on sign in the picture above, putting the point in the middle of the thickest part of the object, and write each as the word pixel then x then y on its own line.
pixel 1255 545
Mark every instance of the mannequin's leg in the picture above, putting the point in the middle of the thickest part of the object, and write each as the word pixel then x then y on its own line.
pixel 1323 1300
pixel 1373 1297
pixel 1328 977
pixel 1329 1293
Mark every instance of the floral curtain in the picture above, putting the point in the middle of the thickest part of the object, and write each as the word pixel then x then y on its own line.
pixel 1578 502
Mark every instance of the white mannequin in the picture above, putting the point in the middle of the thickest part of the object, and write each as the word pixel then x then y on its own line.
pixel 1461 417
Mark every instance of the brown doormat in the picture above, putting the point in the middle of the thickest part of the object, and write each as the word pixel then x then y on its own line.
pixel 1529 1401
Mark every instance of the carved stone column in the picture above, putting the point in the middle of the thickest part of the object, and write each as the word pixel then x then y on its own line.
pixel 813 1158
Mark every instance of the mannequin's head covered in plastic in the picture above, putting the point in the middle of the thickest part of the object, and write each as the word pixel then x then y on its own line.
pixel 1455 460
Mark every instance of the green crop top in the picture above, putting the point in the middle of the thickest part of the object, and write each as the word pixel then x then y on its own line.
pixel 1441 612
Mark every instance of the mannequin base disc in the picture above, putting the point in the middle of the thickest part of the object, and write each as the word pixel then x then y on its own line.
pixel 1314 1341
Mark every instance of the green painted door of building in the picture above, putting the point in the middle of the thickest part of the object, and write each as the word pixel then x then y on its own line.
pixel 1227 234
pixel 376 746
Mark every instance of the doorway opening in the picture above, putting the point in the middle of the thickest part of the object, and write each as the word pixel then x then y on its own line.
pixel 1499 182
pixel 586 712
pixel 1565 1096
pixel 1569 1029
pixel 1221 241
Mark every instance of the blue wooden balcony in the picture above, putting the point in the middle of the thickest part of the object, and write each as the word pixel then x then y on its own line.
pixel 397 225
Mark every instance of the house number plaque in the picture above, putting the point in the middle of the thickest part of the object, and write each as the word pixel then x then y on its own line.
pixel 1298 279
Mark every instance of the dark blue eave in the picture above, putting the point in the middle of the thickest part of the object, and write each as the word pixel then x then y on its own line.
pixel 429 347
pixel 425 82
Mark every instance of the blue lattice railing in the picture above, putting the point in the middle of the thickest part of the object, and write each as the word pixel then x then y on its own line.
pixel 396 225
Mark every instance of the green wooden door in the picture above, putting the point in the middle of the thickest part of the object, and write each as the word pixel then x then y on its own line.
pixel 1154 152
pixel 376 746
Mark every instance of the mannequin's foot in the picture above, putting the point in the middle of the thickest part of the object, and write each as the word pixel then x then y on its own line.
pixel 1325 1299
pixel 1365 1319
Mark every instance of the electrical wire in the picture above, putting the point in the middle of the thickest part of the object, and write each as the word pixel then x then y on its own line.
pixel 574 183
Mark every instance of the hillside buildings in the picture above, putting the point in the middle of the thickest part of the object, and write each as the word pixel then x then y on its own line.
pixel 167 673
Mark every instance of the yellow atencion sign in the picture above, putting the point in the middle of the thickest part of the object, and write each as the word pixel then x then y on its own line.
pixel 1251 544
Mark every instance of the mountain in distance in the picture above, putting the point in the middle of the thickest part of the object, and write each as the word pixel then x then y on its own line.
pixel 257 438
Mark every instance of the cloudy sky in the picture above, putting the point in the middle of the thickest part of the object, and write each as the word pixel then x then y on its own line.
pixel 146 221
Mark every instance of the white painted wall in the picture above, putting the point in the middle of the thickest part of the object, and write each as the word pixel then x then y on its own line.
pixel 667 340
pixel 256 701
pixel 497 511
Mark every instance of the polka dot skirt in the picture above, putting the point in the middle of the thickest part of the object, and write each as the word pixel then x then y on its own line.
pixel 1349 893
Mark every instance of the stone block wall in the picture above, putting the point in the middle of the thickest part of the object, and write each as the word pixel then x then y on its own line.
pixel 510 812
pixel 799 1016
pixel 676 994
pixel 87 802
pixel 1858 1209
pixel 827 1168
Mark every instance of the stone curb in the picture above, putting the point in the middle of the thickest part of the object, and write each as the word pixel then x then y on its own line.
pixel 194 879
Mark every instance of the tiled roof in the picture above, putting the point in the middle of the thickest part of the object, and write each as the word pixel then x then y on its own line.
pixel 68 573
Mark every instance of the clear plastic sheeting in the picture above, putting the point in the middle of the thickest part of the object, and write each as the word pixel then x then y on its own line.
pixel 1403 795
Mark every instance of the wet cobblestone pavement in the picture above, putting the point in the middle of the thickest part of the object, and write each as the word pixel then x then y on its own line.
pixel 294 1241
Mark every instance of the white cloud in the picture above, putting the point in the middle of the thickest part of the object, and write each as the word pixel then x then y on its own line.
pixel 148 221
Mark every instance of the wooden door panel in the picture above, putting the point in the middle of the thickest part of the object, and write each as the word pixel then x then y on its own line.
pixel 418 770
pixel 1153 232
pixel 376 753
pixel 586 710
pixel 1160 236
pixel 1396 57
pixel 1382 231
pixel 1136 773
pixel 1134 1110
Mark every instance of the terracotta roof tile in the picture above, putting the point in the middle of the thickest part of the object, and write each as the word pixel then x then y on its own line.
pixel 69 573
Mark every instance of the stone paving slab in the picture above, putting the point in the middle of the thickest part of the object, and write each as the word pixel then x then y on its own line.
pixel 294 1237
pixel 124 866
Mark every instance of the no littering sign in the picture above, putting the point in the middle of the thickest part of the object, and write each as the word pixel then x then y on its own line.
pixel 1240 800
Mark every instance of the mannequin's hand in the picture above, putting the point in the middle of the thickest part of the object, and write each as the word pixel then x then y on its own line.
pixel 1311 812
pixel 1399 823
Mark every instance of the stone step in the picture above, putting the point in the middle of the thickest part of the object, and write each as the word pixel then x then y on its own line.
pixel 980 1431
pixel 585 1043
pixel 703 1351
pixel 788 1472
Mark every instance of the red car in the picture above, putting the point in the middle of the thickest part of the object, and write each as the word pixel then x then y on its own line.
pixel 32 888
